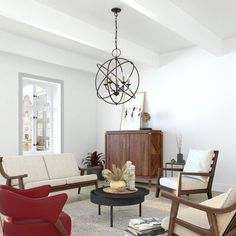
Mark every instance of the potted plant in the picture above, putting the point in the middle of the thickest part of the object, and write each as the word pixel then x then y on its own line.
pixel 117 177
pixel 94 159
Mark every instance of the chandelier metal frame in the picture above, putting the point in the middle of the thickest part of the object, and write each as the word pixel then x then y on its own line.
pixel 115 84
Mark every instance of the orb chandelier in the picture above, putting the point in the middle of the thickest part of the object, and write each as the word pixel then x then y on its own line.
pixel 117 79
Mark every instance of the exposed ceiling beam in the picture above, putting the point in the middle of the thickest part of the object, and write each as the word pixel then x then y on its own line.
pixel 19 45
pixel 164 12
pixel 42 17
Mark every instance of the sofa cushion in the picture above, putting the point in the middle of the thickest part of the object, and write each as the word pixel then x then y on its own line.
pixel 52 182
pixel 81 178
pixel 187 183
pixel 199 161
pixel 34 166
pixel 61 165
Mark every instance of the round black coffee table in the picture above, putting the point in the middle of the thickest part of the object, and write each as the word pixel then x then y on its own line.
pixel 98 196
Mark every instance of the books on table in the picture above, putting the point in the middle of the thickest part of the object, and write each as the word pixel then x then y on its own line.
pixel 144 227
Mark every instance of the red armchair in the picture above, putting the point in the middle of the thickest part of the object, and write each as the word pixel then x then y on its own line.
pixel 33 212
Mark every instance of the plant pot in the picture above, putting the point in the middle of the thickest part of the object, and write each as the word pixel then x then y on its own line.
pixel 118 186
pixel 97 172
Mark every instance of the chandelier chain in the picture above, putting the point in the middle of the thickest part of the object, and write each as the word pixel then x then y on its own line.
pixel 116 30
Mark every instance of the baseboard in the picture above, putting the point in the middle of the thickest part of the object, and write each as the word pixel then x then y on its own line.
pixel 219 187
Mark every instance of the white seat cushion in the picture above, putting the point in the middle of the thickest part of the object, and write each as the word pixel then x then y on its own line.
pixel 187 183
pixel 52 182
pixel 81 178
pixel 34 166
pixel 199 161
pixel 61 165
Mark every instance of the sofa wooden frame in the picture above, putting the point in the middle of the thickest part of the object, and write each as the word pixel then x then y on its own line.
pixel 180 191
pixel 211 215
pixel 78 185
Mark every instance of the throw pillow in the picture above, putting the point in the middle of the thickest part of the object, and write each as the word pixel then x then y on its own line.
pixel 199 161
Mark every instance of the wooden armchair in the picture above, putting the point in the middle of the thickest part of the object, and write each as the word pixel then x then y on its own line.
pixel 214 217
pixel 189 179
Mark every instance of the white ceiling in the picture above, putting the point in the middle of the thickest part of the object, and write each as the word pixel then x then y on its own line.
pixel 151 27
pixel 217 15
pixel 131 26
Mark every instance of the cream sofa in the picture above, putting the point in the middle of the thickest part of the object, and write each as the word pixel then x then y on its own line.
pixel 58 170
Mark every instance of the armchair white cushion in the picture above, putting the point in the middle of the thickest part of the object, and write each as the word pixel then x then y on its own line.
pixel 199 161
pixel 187 183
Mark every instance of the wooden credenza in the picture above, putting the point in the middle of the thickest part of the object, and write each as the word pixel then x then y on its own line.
pixel 143 147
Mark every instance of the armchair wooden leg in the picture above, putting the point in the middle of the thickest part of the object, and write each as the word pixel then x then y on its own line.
pixel 96 185
pixel 209 194
pixel 173 214
pixel 79 188
pixel 157 191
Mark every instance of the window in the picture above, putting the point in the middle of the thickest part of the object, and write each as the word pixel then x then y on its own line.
pixel 40 115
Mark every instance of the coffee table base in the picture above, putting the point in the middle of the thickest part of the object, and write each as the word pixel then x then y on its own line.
pixel 111 212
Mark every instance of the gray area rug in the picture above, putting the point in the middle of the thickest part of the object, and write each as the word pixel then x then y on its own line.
pixel 87 222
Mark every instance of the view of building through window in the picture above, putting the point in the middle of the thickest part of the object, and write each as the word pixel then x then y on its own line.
pixel 41 115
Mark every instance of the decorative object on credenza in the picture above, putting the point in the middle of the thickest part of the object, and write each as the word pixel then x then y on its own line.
pixel 117 79
pixel 131 113
pixel 94 159
pixel 179 140
pixel 117 178
pixel 145 118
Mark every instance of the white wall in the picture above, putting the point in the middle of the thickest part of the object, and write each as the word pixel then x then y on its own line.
pixel 79 104
pixel 193 92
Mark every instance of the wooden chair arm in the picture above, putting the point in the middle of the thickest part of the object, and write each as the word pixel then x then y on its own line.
pixel 198 206
pixel 161 170
pixel 195 173
pixel 60 227
pixel 18 176
pixel 174 169
pixel 10 178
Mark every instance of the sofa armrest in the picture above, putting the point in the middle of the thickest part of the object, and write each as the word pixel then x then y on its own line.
pixel 10 178
pixel 83 169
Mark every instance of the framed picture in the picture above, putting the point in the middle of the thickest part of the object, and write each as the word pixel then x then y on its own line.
pixel 131 112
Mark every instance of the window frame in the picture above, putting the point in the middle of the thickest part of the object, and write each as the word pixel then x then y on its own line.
pixel 42 79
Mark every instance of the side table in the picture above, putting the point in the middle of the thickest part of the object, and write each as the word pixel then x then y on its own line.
pixel 172 165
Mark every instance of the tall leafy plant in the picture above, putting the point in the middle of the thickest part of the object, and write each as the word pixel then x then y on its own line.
pixel 94 159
